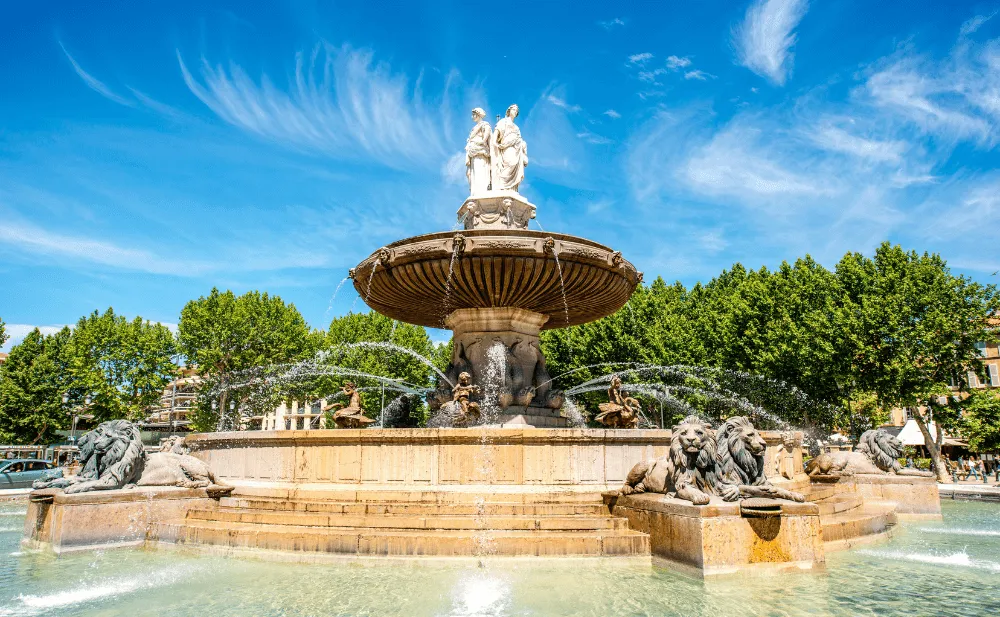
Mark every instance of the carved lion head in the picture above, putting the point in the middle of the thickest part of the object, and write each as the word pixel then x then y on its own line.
pixel 882 448
pixel 740 452
pixel 692 444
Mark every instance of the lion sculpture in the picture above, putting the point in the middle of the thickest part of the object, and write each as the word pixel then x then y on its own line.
pixel 740 457
pixel 112 457
pixel 877 453
pixel 173 466
pixel 687 472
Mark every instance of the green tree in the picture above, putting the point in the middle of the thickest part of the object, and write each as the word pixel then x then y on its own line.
pixel 32 383
pixel 224 334
pixel 980 420
pixel 913 330
pixel 375 327
pixel 123 365
pixel 3 332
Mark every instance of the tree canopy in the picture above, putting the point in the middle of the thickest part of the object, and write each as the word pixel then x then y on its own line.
pixel 123 365
pixel 32 383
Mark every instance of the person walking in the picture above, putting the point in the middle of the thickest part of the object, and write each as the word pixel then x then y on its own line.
pixel 972 469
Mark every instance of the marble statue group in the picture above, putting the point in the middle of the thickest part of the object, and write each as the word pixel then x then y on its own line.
pixel 495 158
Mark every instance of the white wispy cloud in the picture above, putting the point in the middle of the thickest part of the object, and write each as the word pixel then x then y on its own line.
pixel 975 23
pixel 675 62
pixel 956 98
pixel 612 23
pixel 593 138
pixel 17 332
pixel 698 74
pixel 93 83
pixel 41 242
pixel 340 101
pixel 612 114
pixel 561 102
pixel 764 39
pixel 836 139
pixel 640 58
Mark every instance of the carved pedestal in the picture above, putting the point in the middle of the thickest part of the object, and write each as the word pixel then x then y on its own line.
pixel 496 210
pixel 499 348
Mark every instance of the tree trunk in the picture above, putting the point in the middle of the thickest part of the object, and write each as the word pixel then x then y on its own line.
pixel 933 445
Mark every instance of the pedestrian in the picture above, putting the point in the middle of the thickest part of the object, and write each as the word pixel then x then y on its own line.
pixel 972 469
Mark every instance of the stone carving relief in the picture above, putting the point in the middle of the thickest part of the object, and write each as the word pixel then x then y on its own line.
pixel 620 411
pixel 477 153
pixel 740 456
pixel 877 452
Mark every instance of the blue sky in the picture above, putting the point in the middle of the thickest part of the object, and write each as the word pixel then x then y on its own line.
pixel 150 151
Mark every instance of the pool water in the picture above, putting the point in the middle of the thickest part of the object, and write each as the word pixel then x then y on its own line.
pixel 929 568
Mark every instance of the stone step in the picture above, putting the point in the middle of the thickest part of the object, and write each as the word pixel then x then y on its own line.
pixel 471 509
pixel 373 542
pixel 409 521
pixel 840 503
pixel 437 495
pixel 864 521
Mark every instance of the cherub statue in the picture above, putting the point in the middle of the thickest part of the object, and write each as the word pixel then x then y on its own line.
pixel 619 411
pixel 468 410
pixel 351 416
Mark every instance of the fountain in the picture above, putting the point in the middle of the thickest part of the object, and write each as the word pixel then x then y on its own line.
pixel 505 466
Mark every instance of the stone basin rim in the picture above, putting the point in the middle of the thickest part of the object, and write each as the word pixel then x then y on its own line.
pixel 568 279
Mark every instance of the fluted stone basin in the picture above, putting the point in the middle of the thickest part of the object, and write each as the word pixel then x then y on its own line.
pixel 495 268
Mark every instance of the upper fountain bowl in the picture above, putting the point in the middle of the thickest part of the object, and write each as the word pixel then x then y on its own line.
pixel 409 280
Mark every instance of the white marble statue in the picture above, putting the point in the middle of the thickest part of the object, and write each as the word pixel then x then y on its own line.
pixel 477 154
pixel 509 153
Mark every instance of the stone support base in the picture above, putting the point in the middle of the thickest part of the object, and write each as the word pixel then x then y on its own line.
pixel 715 539
pixel 104 519
pixel 499 348
pixel 913 497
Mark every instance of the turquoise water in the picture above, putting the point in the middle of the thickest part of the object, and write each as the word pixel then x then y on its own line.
pixel 949 568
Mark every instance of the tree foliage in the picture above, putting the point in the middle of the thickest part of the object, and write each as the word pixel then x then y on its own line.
pixel 123 365
pixel 32 382
pixel 3 332
pixel 980 421
pixel 224 334
pixel 375 327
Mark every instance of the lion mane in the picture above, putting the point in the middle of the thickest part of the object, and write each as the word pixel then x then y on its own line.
pixel 737 464
pixel 882 448
pixel 877 452
pixel 741 463
pixel 112 457
pixel 688 475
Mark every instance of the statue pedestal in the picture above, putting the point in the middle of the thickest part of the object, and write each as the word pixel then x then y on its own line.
pixel 718 539
pixel 496 210
pixel 499 348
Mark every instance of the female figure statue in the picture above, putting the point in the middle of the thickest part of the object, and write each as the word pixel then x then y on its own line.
pixel 477 154
pixel 509 153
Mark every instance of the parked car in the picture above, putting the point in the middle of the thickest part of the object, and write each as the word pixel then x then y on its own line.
pixel 21 472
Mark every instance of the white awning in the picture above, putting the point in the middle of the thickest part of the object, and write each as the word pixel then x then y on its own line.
pixel 910 435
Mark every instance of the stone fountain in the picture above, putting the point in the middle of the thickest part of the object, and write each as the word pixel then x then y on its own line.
pixel 498 284
pixel 511 479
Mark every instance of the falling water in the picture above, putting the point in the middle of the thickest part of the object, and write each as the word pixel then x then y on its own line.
pixel 368 290
pixel 447 282
pixel 493 382
pixel 334 296
pixel 572 413
pixel 562 286
pixel 392 332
